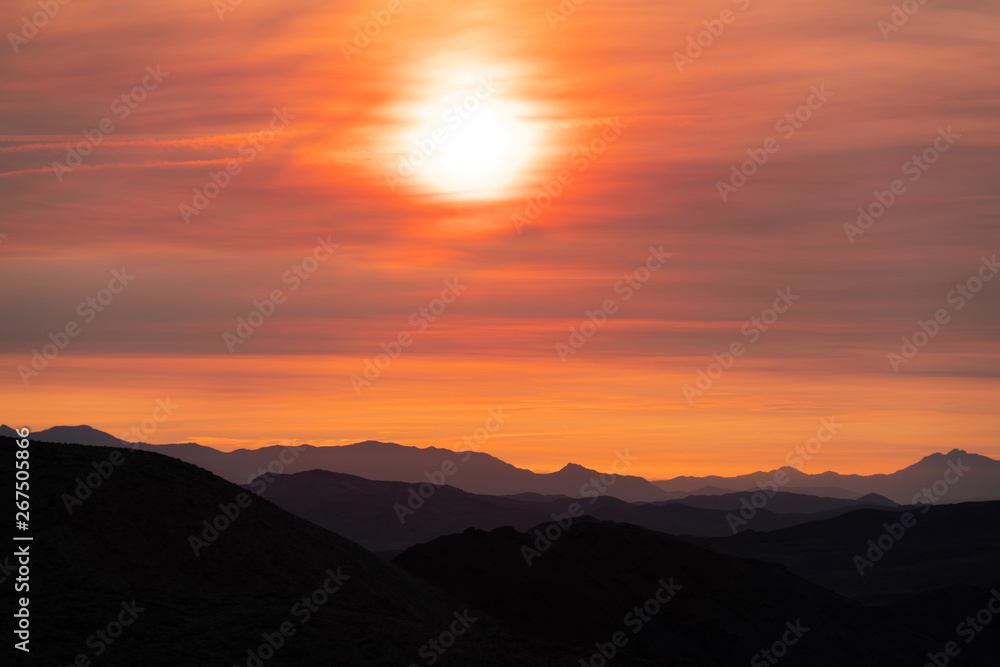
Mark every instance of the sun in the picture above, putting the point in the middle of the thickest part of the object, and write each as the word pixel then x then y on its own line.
pixel 479 150
pixel 480 155
pixel 477 147
pixel 469 142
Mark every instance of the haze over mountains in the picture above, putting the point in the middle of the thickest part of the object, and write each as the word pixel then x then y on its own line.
pixel 481 473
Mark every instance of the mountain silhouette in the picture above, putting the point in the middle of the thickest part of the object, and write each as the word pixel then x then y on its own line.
pixel 388 516
pixel 117 529
pixel 780 502
pixel 948 545
pixel 476 472
pixel 585 583
pixel 83 435
pixel 130 540
pixel 980 482
pixel 481 473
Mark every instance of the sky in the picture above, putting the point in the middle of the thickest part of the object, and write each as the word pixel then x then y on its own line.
pixel 628 225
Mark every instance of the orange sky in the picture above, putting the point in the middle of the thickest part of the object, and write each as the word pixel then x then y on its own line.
pixel 661 139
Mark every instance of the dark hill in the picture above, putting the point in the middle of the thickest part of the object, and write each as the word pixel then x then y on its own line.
pixel 130 541
pixel 950 545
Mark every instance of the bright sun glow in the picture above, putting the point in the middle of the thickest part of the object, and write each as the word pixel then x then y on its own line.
pixel 480 154
pixel 468 142
pixel 477 146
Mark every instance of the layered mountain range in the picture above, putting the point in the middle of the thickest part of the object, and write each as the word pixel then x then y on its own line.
pixel 272 572
pixel 481 473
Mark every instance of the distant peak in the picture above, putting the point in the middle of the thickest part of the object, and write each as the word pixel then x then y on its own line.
pixel 939 455
pixel 574 467
pixel 81 434
pixel 80 428
pixel 876 499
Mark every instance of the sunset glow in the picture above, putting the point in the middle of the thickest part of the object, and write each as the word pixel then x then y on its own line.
pixel 540 162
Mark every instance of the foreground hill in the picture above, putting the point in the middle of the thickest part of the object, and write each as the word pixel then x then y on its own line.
pixel 130 540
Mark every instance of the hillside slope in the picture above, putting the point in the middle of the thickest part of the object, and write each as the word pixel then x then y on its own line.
pixel 130 540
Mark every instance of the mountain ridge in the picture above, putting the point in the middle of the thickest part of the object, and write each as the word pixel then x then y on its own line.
pixel 485 474
pixel 389 516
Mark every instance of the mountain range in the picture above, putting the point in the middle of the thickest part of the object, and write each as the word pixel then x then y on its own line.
pixel 389 516
pixel 214 570
pixel 481 473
